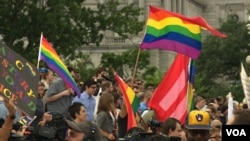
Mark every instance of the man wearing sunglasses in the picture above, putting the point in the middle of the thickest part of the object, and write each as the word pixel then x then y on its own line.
pixel 198 126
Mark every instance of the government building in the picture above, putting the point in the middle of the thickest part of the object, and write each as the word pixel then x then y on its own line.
pixel 211 10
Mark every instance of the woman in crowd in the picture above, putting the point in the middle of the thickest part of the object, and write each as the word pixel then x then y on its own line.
pixel 104 120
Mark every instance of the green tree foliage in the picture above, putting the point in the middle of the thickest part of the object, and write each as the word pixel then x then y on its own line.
pixel 218 67
pixel 152 76
pixel 68 25
pixel 83 64
pixel 124 63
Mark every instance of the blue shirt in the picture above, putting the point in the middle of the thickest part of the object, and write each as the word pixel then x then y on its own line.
pixel 143 107
pixel 4 111
pixel 89 103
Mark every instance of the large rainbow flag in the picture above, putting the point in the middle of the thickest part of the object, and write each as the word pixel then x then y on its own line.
pixel 175 32
pixel 131 100
pixel 48 54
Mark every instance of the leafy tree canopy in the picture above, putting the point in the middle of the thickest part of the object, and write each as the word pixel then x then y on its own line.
pixel 218 67
pixel 68 25
pixel 125 63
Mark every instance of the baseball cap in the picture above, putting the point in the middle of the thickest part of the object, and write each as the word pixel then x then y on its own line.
pixel 198 119
pixel 84 127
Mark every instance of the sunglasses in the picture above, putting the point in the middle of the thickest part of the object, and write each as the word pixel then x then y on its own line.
pixel 201 132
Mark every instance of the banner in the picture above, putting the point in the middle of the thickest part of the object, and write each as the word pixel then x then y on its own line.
pixel 19 80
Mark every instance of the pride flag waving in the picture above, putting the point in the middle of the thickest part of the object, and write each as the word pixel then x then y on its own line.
pixel 49 55
pixel 131 100
pixel 175 32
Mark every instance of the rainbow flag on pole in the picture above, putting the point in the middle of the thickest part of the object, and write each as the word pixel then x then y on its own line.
pixel 48 54
pixel 131 100
pixel 175 32
pixel 191 75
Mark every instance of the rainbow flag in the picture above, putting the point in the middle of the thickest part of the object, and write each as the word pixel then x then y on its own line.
pixel 175 32
pixel 131 100
pixel 48 54
pixel 191 85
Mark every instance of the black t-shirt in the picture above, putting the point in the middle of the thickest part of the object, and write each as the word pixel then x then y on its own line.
pixel 122 126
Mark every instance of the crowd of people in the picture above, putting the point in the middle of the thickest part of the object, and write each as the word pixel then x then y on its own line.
pixel 100 114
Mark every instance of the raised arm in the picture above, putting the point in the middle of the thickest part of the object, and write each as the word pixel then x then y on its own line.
pixel 8 123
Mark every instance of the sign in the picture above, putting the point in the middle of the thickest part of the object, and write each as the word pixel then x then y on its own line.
pixel 19 80
pixel 235 132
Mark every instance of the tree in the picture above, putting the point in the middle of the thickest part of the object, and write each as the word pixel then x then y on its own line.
pixel 124 63
pixel 83 64
pixel 152 76
pixel 218 67
pixel 68 25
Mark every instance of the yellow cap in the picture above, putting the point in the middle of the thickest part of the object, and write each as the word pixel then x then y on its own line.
pixel 198 119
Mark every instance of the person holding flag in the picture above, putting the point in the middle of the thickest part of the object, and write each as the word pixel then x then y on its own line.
pixel 59 98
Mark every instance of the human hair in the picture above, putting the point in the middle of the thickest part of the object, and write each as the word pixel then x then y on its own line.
pixel 212 108
pixel 105 102
pixel 141 96
pixel 89 82
pixel 70 69
pixel 169 124
pixel 99 70
pixel 199 98
pixel 75 109
pixel 245 106
pixel 105 85
pixel 41 84
pixel 45 74
pixel 116 96
pixel 241 117
pixel 212 131
pixel 148 94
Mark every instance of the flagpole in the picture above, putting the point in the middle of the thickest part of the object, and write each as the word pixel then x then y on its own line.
pixel 136 63
pixel 39 53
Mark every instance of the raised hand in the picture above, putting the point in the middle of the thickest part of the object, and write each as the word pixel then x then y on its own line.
pixel 10 106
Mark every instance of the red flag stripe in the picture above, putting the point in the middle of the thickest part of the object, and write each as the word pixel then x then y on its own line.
pixel 174 89
pixel 170 97
pixel 176 103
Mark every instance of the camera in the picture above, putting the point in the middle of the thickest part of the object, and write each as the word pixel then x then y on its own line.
pixel 154 124
pixel 52 130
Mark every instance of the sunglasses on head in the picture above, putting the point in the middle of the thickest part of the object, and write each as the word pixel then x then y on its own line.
pixel 195 132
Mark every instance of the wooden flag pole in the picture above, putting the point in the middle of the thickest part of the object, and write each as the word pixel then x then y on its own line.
pixel 136 63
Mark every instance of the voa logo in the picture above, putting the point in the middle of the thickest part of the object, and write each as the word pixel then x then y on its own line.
pixel 236 132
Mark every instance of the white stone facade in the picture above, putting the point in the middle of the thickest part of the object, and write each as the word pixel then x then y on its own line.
pixel 211 10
